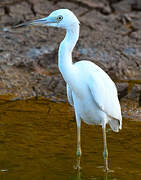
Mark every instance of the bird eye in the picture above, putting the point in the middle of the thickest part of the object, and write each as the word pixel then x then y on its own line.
pixel 59 18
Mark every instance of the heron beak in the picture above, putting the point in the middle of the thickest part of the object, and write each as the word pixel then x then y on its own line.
pixel 39 22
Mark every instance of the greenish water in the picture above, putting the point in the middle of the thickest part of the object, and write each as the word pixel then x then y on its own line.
pixel 38 142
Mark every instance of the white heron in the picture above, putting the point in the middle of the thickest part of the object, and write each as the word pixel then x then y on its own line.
pixel 90 90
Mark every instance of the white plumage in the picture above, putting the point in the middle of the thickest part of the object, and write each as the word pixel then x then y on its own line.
pixel 97 100
pixel 90 90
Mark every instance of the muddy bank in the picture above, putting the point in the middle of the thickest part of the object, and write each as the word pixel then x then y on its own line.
pixel 110 36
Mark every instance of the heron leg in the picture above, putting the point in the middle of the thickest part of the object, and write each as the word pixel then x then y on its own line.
pixel 78 152
pixel 105 153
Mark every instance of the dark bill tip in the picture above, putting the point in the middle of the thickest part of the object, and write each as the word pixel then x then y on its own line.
pixel 21 25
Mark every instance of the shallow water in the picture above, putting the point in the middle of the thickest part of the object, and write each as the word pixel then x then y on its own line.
pixel 38 142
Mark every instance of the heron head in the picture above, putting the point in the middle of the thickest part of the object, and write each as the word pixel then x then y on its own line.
pixel 61 18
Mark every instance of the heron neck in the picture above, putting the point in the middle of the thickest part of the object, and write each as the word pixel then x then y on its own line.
pixel 65 63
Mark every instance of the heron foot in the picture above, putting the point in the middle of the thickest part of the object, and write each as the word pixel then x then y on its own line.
pixel 106 170
pixel 77 167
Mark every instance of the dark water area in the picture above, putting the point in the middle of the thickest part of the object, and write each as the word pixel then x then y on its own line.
pixel 38 142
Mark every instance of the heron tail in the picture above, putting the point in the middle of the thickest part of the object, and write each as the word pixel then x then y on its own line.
pixel 115 124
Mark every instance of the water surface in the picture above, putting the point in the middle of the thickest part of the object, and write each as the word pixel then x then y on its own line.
pixel 38 142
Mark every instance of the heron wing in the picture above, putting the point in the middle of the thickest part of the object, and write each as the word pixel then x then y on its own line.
pixel 69 95
pixel 104 93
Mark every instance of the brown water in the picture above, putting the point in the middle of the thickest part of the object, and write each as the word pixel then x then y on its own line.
pixel 38 142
